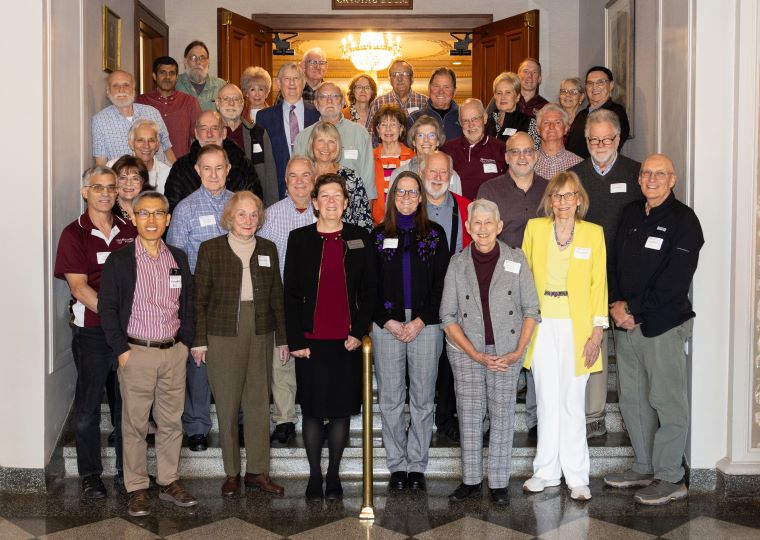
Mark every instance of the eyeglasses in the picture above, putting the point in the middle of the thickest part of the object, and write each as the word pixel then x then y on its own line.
pixel 569 197
pixel 658 175
pixel 473 120
pixel 422 136
pixel 202 59
pixel 389 125
pixel 517 152
pixel 208 129
pixel 363 87
pixel 599 83
pixel 400 75
pixel 320 63
pixel 605 141
pixel 401 193
pixel 329 97
pixel 99 188
pixel 145 214
pixel 237 100
pixel 131 179
pixel 569 92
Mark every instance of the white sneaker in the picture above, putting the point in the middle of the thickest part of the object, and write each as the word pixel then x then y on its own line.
pixel 580 493
pixel 535 484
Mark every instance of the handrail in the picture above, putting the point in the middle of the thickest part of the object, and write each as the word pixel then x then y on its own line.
pixel 368 509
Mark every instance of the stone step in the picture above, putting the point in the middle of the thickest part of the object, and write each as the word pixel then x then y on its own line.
pixel 609 453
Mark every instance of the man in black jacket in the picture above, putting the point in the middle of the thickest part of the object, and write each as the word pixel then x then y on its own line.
pixel 146 309
pixel 183 180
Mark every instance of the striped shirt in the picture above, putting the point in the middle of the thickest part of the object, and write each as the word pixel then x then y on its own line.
pixel 110 130
pixel 155 305
pixel 196 219
pixel 281 218
pixel 547 166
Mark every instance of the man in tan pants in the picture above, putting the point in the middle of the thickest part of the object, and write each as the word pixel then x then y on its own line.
pixel 146 308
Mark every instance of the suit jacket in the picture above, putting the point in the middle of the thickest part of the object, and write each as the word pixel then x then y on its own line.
pixel 576 137
pixel 218 277
pixel 511 298
pixel 258 148
pixel 117 291
pixel 271 120
pixel 302 267
pixel 586 280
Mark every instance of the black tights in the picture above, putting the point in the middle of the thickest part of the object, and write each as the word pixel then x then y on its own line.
pixel 337 439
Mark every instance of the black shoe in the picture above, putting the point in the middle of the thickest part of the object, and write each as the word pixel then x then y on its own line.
pixel 450 430
pixel 397 481
pixel 93 487
pixel 333 490
pixel 197 443
pixel 533 432
pixel 500 496
pixel 283 434
pixel 241 436
pixel 465 491
pixel 314 489
pixel 416 481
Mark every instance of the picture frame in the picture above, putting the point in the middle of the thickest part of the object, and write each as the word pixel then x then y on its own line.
pixel 111 40
pixel 619 24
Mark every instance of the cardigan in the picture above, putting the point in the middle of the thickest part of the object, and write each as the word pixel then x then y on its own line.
pixel 586 281
pixel 428 274
pixel 302 265
pixel 378 205
pixel 218 278
pixel 117 292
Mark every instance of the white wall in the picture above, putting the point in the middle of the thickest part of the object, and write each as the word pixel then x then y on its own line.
pixel 558 33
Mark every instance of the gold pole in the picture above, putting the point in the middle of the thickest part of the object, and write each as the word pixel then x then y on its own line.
pixel 368 509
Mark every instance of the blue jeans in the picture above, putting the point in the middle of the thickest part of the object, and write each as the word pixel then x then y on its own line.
pixel 94 360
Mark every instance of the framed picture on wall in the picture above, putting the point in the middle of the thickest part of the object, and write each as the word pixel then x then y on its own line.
pixel 619 51
pixel 111 40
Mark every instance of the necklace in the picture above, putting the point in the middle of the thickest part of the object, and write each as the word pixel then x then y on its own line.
pixel 566 242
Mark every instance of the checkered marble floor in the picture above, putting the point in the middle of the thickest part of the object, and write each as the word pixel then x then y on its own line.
pixel 610 515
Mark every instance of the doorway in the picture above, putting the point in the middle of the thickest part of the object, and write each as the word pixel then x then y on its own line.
pixel 151 41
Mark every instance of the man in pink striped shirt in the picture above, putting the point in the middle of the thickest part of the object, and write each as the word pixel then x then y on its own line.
pixel 146 309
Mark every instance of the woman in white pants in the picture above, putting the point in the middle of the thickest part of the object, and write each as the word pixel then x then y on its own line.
pixel 568 260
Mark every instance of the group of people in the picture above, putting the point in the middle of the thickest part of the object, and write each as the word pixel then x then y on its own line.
pixel 472 242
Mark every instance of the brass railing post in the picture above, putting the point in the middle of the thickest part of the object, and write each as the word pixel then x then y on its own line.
pixel 368 508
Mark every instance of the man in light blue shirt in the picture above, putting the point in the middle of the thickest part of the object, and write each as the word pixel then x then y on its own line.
pixel 197 219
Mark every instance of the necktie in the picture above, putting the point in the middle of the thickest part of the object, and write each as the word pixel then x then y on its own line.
pixel 293 121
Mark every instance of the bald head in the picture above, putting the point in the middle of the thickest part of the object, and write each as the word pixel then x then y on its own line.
pixel 209 128
pixel 120 88
pixel 657 178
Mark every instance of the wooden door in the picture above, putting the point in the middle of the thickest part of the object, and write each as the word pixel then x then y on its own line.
pixel 151 41
pixel 241 43
pixel 501 46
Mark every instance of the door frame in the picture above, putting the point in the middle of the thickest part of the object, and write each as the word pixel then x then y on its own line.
pixel 156 25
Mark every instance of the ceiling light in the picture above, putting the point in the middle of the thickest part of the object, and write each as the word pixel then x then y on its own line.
pixel 375 51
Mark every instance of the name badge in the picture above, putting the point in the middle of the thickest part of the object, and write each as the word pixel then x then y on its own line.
pixel 257 148
pixel 102 256
pixel 490 168
pixel 207 221
pixel 663 229
pixel 653 243
pixel 582 253
pixel 390 243
pixel 509 131
pixel 619 188
pixel 264 260
pixel 350 153
pixel 410 110
pixel 359 243
pixel 175 282
pixel 512 266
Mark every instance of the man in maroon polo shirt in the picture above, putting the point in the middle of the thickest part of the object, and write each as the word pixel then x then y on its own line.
pixel 477 157
pixel 83 248
pixel 178 110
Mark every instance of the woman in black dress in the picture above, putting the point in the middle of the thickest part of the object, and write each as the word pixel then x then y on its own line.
pixel 329 296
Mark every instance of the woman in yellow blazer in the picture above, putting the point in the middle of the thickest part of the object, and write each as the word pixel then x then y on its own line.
pixel 568 260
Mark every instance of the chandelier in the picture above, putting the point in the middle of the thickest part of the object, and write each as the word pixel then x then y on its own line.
pixel 375 50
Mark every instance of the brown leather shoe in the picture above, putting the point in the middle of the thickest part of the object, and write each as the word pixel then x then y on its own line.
pixel 139 503
pixel 177 494
pixel 231 486
pixel 264 483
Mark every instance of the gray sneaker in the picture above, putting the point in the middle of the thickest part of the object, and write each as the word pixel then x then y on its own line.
pixel 628 479
pixel 597 428
pixel 661 492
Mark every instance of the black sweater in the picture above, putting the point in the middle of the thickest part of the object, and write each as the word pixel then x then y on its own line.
pixel 576 138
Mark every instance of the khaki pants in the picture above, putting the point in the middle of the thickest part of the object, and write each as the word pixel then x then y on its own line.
pixel 239 371
pixel 152 378
pixel 283 389
pixel 596 387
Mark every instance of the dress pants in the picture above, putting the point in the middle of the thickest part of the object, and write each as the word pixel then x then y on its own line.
pixel 596 387
pixel 94 360
pixel 560 395
pixel 478 390
pixel 239 370
pixel 196 418
pixel 446 402
pixel 653 399
pixel 283 389
pixel 530 400
pixel 152 378
pixel 407 451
